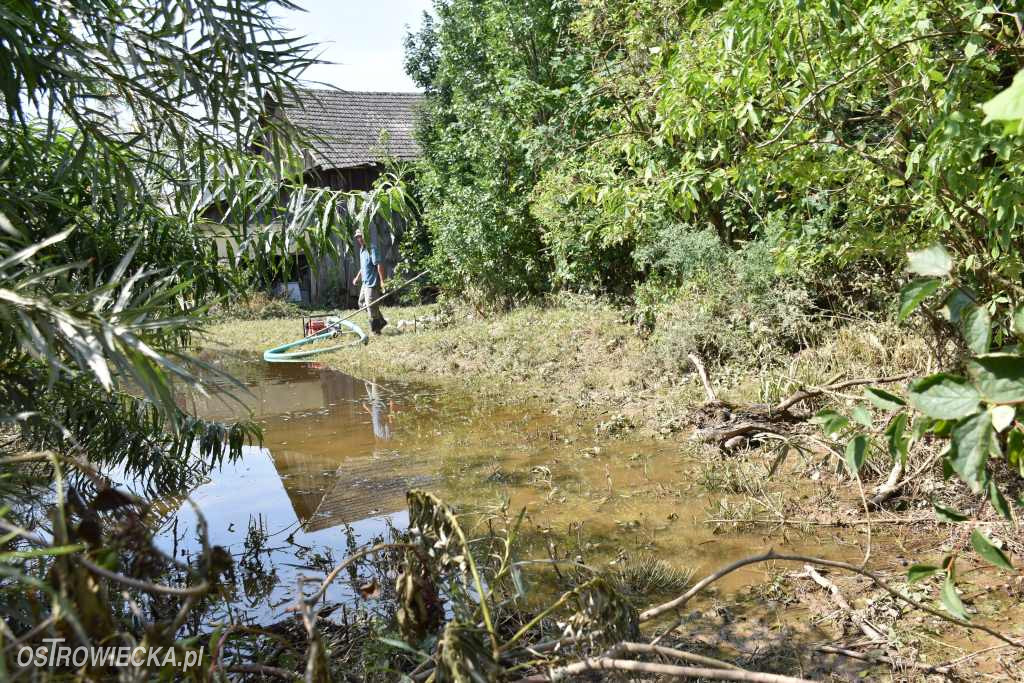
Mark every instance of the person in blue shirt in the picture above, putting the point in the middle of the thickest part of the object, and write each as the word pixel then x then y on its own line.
pixel 371 274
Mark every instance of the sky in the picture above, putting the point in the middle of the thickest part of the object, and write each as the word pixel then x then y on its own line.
pixel 362 37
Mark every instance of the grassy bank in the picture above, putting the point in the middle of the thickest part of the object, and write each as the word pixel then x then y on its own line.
pixel 585 355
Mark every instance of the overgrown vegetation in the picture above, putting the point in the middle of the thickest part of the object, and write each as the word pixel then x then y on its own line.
pixel 731 187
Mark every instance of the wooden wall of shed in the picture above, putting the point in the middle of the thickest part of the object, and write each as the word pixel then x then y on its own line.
pixel 332 283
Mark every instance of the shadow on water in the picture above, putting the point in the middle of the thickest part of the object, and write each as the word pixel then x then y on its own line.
pixel 339 453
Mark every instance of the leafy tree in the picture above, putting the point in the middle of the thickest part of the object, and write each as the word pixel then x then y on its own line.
pixel 495 73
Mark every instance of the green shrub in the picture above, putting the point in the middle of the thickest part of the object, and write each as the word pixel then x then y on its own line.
pixel 724 304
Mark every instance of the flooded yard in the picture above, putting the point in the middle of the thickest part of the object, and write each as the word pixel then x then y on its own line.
pixel 339 453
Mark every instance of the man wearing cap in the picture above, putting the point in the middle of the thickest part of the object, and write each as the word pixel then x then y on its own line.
pixel 371 273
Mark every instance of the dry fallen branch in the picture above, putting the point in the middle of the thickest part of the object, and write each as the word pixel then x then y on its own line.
pixel 772 556
pixel 651 649
pixel 837 597
pixel 882 659
pixel 606 663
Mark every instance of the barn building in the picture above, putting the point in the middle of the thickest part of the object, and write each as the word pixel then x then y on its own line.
pixel 351 134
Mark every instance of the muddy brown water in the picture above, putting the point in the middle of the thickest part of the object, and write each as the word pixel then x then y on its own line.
pixel 340 452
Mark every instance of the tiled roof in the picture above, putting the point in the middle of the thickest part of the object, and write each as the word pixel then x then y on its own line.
pixel 346 126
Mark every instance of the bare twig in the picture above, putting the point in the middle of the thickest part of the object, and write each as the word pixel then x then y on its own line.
pixel 145 586
pixel 264 670
pixel 882 659
pixel 813 392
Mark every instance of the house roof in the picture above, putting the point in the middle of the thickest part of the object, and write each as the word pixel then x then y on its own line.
pixel 346 127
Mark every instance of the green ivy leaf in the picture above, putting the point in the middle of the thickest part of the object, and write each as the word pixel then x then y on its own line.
pixel 972 442
pixel 944 396
pixel 999 377
pixel 933 261
pixel 914 292
pixel 951 601
pixel 978 329
pixel 883 400
pixel 992 554
pixel 948 514
pixel 856 451
pixel 919 572
pixel 999 502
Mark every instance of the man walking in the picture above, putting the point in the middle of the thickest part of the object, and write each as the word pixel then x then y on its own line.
pixel 371 273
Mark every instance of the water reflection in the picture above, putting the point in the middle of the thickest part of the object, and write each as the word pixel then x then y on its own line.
pixel 339 454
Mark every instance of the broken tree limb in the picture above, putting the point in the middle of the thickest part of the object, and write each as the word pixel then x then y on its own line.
pixel 813 392
pixel 837 597
pixel 703 374
pixel 746 428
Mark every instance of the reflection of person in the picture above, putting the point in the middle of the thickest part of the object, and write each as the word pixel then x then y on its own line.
pixel 380 413
pixel 371 273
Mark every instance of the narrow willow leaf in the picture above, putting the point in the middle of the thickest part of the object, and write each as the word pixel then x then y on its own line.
pixel 919 572
pixel 999 502
pixel 883 400
pixel 972 441
pixel 987 550
pixel 999 377
pixel 1015 450
pixel 913 293
pixel 948 514
pixel 978 329
pixel 856 451
pixel 945 397
pixel 933 261
pixel 951 601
